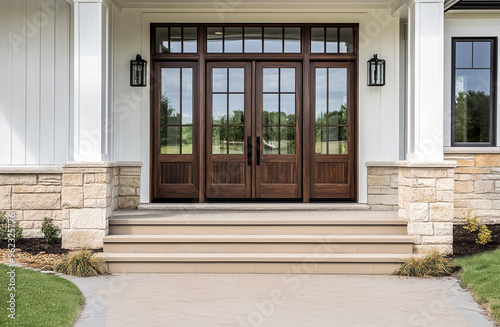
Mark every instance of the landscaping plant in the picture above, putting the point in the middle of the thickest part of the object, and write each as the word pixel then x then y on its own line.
pixel 433 264
pixel 81 263
pixel 472 222
pixel 484 235
pixel 472 226
pixel 50 231
pixel 4 228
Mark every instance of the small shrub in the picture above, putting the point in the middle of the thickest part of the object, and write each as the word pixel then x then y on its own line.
pixel 81 263
pixel 16 230
pixel 484 235
pixel 50 231
pixel 472 223
pixel 432 264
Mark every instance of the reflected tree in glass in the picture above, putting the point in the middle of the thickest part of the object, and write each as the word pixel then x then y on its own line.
pixel 472 117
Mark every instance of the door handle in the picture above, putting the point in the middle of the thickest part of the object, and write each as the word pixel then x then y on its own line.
pixel 249 150
pixel 258 150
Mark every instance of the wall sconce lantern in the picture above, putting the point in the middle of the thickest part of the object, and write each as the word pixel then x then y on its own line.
pixel 138 71
pixel 376 71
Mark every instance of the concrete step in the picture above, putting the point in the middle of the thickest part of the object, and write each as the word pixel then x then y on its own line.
pixel 258 244
pixel 157 222
pixel 261 263
pixel 254 206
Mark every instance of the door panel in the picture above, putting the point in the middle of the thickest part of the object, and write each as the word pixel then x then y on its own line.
pixel 334 124
pixel 228 125
pixel 174 122
pixel 278 130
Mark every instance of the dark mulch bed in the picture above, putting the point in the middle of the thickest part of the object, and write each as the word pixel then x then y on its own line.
pixel 37 245
pixel 464 243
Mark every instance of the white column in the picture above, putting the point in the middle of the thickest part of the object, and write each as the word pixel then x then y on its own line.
pixel 91 37
pixel 425 80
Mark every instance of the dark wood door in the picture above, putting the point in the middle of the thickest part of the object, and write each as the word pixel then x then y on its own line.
pixel 278 130
pixel 175 129
pixel 334 120
pixel 229 130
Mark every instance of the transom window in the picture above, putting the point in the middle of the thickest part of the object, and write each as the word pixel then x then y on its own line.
pixel 473 105
pixel 176 40
pixel 332 40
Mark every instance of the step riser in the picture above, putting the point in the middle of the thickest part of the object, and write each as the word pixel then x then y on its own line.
pixel 403 248
pixel 257 230
pixel 254 268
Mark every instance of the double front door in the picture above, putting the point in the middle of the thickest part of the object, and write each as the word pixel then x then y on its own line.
pixel 245 131
pixel 254 134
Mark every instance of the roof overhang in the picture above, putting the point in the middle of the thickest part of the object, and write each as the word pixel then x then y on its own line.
pixel 472 5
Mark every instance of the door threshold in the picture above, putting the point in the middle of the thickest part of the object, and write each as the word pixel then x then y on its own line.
pixel 255 206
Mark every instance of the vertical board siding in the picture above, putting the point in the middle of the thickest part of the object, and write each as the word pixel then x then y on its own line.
pixel 35 89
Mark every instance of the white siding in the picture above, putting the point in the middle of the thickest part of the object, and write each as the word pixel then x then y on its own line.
pixel 466 25
pixel 35 83
pixel 378 107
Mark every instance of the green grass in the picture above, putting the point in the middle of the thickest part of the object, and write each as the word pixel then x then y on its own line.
pixel 481 274
pixel 41 300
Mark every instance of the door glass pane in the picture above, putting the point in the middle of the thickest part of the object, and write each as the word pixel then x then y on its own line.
pixel 271 80
pixel 472 105
pixel 236 80
pixel 219 140
pixel 233 40
pixel 219 109
pixel 346 40
pixel 463 55
pixel 482 55
pixel 214 39
pixel 287 142
pixel 270 109
pixel 236 109
pixel 337 107
pixel 321 145
pixel 273 39
pixel 332 42
pixel 170 140
pixel 236 137
pixel 187 140
pixel 170 97
pixel 253 39
pixel 292 39
pixel 175 39
pixel 287 79
pixel 161 40
pixel 337 140
pixel 317 40
pixel 187 96
pixel 219 80
pixel 270 140
pixel 190 40
pixel 321 96
pixel 287 109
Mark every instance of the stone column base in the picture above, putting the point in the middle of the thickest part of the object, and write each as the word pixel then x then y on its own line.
pixel 425 197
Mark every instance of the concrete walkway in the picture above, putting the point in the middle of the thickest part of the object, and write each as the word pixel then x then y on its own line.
pixel 276 300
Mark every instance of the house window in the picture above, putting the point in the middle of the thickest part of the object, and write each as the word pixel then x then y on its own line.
pixel 473 91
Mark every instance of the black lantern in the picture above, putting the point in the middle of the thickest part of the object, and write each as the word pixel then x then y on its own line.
pixel 376 71
pixel 138 71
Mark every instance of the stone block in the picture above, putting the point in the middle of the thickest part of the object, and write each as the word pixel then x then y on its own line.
pixel 487 160
pixel 128 202
pixel 5 197
pixel 419 212
pixel 429 172
pixel 438 240
pixel 484 186
pixel 423 195
pixel 72 197
pixel 496 205
pixel 472 170
pixel 124 190
pixel 465 163
pixel 379 180
pixel 75 239
pixel 379 199
pixel 445 184
pixel 132 171
pixel 90 203
pixel 97 191
pixel 72 179
pixel 464 187
pixel 37 214
pixel 18 179
pixel 481 204
pixel 49 179
pixel 443 249
pixel 36 189
pixel 444 196
pixel 420 228
pixel 26 224
pixel 460 213
pixel 425 182
pixel 40 201
pixel 103 178
pixel 89 178
pixel 88 218
pixel 130 181
pixel 461 203
pixel 443 229
pixel 441 212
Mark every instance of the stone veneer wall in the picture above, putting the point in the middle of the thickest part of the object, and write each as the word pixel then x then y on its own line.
pixel 382 185
pixel 80 197
pixel 426 202
pixel 477 185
